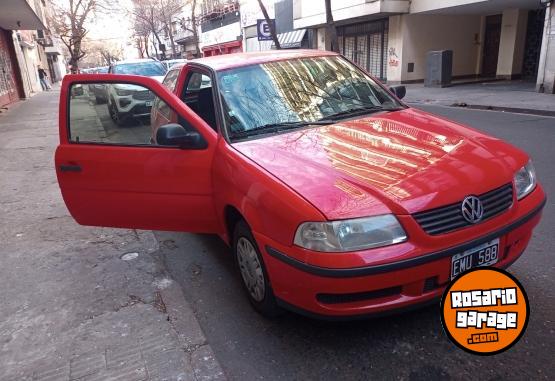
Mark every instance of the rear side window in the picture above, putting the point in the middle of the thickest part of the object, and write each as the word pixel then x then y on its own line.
pixel 171 79
pixel 198 81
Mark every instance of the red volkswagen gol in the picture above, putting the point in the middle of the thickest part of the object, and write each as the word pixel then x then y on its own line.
pixel 336 198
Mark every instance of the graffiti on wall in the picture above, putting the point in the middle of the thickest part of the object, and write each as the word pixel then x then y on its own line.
pixel 393 57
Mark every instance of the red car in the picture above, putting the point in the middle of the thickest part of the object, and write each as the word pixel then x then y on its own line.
pixel 336 198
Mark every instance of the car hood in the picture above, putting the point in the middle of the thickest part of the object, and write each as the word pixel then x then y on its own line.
pixel 402 162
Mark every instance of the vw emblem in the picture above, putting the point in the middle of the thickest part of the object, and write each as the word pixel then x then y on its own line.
pixel 472 209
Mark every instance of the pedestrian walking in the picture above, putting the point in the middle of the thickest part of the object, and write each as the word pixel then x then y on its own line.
pixel 43 79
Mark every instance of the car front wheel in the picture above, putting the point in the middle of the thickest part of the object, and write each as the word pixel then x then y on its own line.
pixel 253 272
pixel 114 114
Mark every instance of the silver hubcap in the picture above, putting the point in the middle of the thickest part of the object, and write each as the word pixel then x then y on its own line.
pixel 251 269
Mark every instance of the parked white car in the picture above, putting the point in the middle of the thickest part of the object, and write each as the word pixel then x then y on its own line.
pixel 129 101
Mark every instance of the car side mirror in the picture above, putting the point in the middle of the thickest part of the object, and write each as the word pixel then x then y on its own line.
pixel 399 91
pixel 174 134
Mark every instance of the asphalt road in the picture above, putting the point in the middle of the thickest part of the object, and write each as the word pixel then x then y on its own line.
pixel 411 346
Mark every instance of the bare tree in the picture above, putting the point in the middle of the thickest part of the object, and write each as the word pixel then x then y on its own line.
pixel 168 11
pixel 146 19
pixel 68 21
pixel 331 31
pixel 107 52
pixel 156 17
pixel 271 25
pixel 191 24
pixel 142 33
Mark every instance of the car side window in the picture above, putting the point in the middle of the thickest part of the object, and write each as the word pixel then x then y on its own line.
pixel 199 97
pixel 112 113
pixel 171 79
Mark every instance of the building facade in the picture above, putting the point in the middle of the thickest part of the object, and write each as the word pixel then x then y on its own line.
pixel 26 44
pixel 220 27
pixel 184 35
pixel 391 38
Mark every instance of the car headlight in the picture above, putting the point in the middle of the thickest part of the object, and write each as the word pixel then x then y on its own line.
pixel 350 235
pixel 123 92
pixel 525 180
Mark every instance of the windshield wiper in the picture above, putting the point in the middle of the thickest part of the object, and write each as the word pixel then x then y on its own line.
pixel 276 127
pixel 359 111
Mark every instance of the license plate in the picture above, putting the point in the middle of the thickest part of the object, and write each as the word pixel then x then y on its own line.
pixel 484 255
pixel 148 103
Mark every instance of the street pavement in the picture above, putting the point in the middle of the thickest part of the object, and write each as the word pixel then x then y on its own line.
pixel 410 346
pixel 81 303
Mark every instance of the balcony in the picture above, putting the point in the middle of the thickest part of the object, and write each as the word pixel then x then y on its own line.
pixel 310 13
pixel 214 9
pixel 183 36
pixel 18 14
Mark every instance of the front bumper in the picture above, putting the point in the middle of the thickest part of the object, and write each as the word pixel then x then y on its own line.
pixel 385 287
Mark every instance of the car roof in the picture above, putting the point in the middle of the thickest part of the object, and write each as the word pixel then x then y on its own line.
pixel 228 61
pixel 137 60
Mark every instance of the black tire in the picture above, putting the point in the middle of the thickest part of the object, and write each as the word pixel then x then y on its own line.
pixel 115 115
pixel 99 100
pixel 267 306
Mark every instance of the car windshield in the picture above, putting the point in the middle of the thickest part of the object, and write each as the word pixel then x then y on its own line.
pixel 297 92
pixel 148 69
pixel 102 70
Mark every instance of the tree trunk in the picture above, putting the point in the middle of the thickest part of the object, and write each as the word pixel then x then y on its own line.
pixel 146 46
pixel 163 55
pixel 331 32
pixel 174 52
pixel 195 31
pixel 271 25
pixel 155 47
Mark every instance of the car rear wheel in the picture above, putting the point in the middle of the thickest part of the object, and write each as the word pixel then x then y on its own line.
pixel 253 272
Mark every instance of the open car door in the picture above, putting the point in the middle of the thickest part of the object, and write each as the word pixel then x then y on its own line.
pixel 113 172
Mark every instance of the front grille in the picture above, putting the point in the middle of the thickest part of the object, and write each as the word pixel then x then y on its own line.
pixel 145 95
pixel 449 218
pixel 140 109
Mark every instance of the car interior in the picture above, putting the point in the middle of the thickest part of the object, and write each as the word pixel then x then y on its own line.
pixel 198 96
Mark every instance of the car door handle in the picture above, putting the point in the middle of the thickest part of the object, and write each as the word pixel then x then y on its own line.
pixel 70 168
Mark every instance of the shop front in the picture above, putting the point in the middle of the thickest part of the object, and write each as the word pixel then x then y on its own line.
pixel 366 45
pixel 10 81
pixel 225 48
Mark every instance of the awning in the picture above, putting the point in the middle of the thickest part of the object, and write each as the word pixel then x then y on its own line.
pixel 18 14
pixel 290 40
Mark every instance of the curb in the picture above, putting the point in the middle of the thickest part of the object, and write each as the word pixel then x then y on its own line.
pixel 515 110
pixel 183 320
pixel 181 317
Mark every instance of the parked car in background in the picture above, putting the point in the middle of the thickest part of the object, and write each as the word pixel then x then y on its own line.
pixel 126 100
pixel 172 62
pixel 99 89
pixel 336 198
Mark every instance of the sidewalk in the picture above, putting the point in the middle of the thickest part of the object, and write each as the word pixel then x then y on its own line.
pixel 510 96
pixel 81 303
